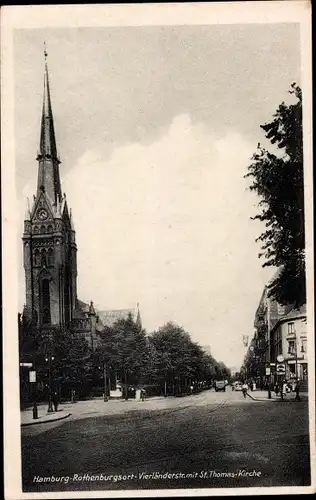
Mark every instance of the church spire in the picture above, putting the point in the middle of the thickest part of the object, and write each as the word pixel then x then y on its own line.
pixel 48 175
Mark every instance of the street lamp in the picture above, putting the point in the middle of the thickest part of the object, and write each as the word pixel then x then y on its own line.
pixel 105 390
pixel 49 360
pixel 297 390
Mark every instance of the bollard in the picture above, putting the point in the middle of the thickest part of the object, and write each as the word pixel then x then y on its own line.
pixel 35 411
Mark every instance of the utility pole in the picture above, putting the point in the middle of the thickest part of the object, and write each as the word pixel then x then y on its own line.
pixel 105 398
pixel 297 389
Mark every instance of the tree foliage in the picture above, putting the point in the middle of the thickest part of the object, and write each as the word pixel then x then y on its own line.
pixel 123 348
pixel 279 182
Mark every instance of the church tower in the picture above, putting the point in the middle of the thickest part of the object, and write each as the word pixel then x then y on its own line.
pixel 49 242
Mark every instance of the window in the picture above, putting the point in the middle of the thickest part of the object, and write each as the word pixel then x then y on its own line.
pixel 43 257
pixel 45 302
pixel 290 328
pixel 304 345
pixel 50 257
pixel 292 347
pixel 37 258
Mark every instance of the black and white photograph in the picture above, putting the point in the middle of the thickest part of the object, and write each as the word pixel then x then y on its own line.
pixel 158 255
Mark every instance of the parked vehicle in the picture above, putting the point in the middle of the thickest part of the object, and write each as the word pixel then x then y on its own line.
pixel 220 385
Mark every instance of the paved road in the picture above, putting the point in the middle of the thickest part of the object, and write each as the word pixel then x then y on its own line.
pixel 205 441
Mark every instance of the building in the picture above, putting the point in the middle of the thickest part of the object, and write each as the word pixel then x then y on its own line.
pixel 50 253
pixel 279 330
pixel 289 338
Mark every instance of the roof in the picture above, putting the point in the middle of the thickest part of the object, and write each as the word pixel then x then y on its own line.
pixel 108 318
pixel 294 313
pixel 291 315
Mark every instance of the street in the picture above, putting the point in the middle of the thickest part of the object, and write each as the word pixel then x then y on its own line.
pixel 207 440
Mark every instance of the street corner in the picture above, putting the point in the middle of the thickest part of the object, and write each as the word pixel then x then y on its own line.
pixel 27 420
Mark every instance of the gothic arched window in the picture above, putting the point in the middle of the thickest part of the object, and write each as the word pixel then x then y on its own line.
pixel 50 229
pixel 37 258
pixel 45 302
pixel 50 257
pixel 35 230
pixel 43 229
pixel 43 258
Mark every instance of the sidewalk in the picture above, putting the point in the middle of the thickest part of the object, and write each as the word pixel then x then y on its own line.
pixel 43 416
pixel 263 396
pixel 94 407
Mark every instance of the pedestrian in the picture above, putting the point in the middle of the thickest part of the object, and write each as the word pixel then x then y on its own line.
pixel 55 401
pixel 142 394
pixel 297 390
pixel 191 388
pixel 254 386
pixel 284 388
pixel 244 389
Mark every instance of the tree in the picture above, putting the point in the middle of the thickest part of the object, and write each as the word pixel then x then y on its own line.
pixel 181 362
pixel 126 349
pixel 278 180
pixel 72 367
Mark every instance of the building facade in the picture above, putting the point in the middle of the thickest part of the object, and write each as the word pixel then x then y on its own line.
pixel 279 330
pixel 289 338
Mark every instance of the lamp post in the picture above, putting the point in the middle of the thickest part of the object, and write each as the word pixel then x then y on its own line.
pixel 105 398
pixel 297 389
pixel 49 358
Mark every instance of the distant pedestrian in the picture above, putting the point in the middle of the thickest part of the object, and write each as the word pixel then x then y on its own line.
pixel 284 388
pixel 254 386
pixel 55 401
pixel 191 388
pixel 142 394
pixel 244 389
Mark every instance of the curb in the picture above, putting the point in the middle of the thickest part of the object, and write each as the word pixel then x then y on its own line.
pixel 289 400
pixel 46 421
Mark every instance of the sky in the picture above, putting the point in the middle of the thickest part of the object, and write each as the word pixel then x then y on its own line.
pixel 155 128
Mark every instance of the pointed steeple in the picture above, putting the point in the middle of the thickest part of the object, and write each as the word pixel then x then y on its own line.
pixel 48 175
pixel 47 141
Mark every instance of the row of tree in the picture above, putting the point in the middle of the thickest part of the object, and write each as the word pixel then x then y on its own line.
pixel 167 361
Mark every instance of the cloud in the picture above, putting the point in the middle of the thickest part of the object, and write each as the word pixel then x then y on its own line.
pixel 167 224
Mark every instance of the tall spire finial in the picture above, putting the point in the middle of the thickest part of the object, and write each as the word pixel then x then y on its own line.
pixel 48 169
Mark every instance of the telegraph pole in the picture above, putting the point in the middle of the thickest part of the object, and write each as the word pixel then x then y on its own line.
pixel 105 399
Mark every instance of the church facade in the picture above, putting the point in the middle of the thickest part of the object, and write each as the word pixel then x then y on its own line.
pixel 50 252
